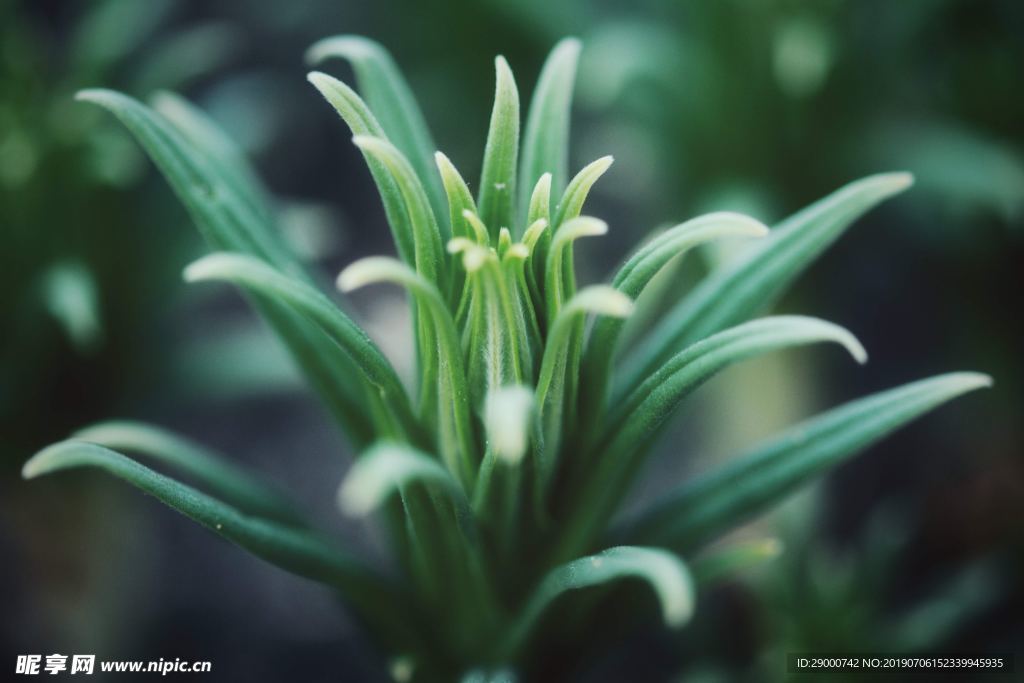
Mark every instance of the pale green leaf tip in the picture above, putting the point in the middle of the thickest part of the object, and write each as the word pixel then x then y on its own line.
pixel 213 266
pixel 45 461
pixel 969 381
pixel 602 300
pixel 507 417
pixel 347 46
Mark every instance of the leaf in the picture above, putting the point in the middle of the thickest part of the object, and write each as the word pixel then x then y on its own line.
pixel 498 178
pixel 361 121
pixel 555 274
pixel 426 236
pixel 755 282
pixel 712 504
pixel 556 389
pixel 456 440
pixel 228 222
pixel 205 134
pixel 618 447
pixel 232 484
pixel 576 193
pixel 345 336
pixel 391 99
pixel 460 200
pixel 494 336
pixel 294 550
pixel 386 470
pixel 546 135
pixel 665 573
pixel 637 272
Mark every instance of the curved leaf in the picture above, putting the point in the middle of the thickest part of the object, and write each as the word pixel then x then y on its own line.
pixel 636 418
pixel 558 269
pixel 361 121
pixel 385 470
pixel 348 337
pixel 714 503
pixel 665 573
pixel 637 272
pixel 455 431
pixel 426 236
pixel 294 550
pixel 755 282
pixel 229 222
pixel 391 100
pixel 234 485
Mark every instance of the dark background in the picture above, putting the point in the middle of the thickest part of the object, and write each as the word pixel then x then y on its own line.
pixel 755 106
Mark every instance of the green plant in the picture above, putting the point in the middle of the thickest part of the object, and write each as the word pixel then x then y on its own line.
pixel 498 475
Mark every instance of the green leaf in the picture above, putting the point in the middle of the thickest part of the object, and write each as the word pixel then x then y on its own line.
pixel 576 193
pixel 498 178
pixel 361 121
pixel 619 446
pixel 205 134
pixel 229 222
pixel 294 550
pixel 546 135
pixel 555 273
pixel 495 335
pixel 342 334
pixel 556 388
pixel 391 99
pixel 755 282
pixel 665 573
pixel 227 219
pixel 232 484
pixel 637 272
pixel 386 470
pixel 426 236
pixel 712 504
pixel 451 414
pixel 460 200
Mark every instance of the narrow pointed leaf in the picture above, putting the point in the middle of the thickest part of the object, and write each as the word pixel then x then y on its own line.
pixel 232 484
pixel 229 222
pixel 427 239
pixel 294 550
pixel 386 470
pixel 558 270
pixel 665 573
pixel 756 281
pixel 546 135
pixel 576 193
pixel 203 132
pixel 712 504
pixel 636 418
pixel 637 272
pixel 342 334
pixel 361 121
pixel 498 178
pixel 456 439
pixel 556 388
pixel 391 99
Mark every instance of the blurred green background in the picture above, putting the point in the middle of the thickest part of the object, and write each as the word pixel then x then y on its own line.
pixel 760 106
